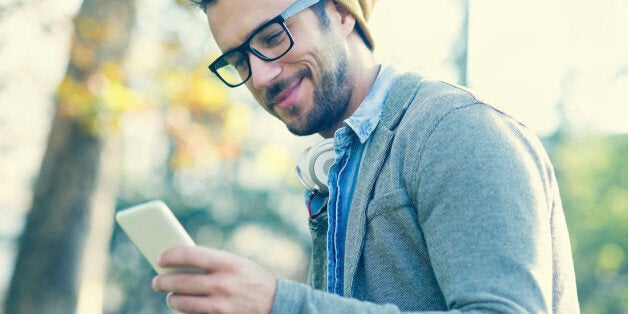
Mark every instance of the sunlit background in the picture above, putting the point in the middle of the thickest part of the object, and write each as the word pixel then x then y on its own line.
pixel 226 167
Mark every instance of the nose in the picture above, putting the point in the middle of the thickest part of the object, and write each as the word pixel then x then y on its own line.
pixel 263 72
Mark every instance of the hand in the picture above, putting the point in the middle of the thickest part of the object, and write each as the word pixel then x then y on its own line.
pixel 229 284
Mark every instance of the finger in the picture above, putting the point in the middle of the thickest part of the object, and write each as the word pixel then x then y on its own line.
pixel 194 304
pixel 183 283
pixel 199 257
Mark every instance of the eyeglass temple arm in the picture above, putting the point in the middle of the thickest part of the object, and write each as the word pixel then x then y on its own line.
pixel 297 7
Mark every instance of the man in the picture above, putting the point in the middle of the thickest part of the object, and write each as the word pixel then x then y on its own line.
pixel 436 202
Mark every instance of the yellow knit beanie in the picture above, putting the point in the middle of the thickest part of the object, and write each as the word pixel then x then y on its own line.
pixel 361 10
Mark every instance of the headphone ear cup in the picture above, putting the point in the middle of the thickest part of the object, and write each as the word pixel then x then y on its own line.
pixel 313 165
pixel 303 171
pixel 321 158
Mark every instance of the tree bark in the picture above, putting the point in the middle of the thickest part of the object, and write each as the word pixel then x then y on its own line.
pixel 68 189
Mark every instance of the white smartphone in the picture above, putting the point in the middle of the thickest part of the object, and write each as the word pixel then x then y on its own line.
pixel 153 229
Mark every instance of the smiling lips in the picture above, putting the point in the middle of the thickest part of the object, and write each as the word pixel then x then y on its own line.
pixel 288 97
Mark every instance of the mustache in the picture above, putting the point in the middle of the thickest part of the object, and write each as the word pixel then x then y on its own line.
pixel 273 91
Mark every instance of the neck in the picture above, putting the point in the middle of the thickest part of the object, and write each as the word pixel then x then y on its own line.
pixel 364 70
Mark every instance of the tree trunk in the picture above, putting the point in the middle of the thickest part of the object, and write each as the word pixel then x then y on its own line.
pixel 69 187
pixel 46 273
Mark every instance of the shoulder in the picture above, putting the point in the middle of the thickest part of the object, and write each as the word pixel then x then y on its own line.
pixel 442 118
pixel 429 103
pixel 434 103
pixel 435 99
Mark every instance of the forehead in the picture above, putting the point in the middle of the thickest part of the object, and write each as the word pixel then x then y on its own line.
pixel 231 21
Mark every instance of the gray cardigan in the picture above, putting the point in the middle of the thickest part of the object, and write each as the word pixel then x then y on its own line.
pixel 456 209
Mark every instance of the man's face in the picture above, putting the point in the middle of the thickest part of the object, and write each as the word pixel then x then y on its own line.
pixel 308 88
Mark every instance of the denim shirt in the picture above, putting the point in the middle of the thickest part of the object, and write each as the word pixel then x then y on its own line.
pixel 350 143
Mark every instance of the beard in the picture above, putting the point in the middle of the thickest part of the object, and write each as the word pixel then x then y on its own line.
pixel 330 101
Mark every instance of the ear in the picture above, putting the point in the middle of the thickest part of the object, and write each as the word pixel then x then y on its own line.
pixel 338 13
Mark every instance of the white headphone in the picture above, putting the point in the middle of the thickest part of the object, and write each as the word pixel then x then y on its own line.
pixel 313 166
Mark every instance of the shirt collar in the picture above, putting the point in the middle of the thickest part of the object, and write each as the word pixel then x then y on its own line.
pixel 364 120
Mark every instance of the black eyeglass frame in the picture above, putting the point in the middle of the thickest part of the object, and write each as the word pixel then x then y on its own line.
pixel 245 47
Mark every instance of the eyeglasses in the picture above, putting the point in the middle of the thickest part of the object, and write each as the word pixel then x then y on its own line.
pixel 269 42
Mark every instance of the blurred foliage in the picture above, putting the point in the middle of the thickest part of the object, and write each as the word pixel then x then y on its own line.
pixel 100 100
pixel 95 89
pixel 593 176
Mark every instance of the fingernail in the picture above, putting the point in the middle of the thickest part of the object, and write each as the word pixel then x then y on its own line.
pixel 169 301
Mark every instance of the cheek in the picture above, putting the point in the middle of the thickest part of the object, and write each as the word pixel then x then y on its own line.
pixel 309 46
pixel 306 92
pixel 310 58
pixel 321 52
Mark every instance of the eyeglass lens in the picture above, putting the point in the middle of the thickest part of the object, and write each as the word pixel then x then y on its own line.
pixel 271 42
pixel 233 67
